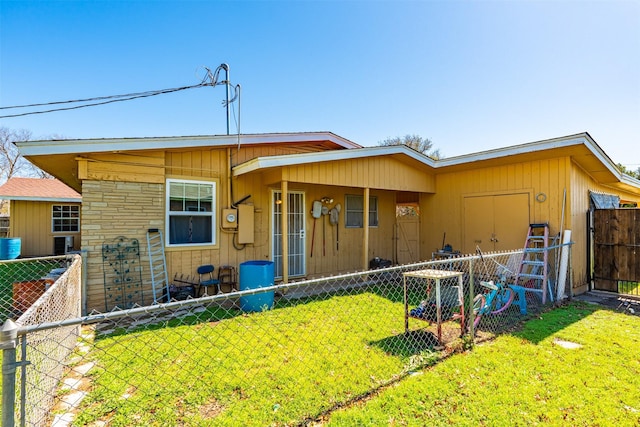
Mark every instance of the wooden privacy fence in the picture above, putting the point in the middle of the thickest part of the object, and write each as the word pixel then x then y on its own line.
pixel 616 245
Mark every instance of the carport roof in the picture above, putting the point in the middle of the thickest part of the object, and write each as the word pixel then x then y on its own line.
pixel 401 152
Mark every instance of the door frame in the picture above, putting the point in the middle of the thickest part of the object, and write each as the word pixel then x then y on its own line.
pixel 296 232
pixel 492 235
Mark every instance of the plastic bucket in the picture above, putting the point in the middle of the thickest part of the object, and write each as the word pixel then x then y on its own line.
pixel 253 275
pixel 9 247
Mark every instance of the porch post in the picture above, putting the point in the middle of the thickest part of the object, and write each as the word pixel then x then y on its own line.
pixel 365 230
pixel 285 232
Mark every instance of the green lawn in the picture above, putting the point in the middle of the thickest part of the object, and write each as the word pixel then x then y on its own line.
pixel 347 361
pixel 277 367
pixel 524 378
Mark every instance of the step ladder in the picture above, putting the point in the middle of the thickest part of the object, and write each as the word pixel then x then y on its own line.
pixel 535 261
pixel 157 266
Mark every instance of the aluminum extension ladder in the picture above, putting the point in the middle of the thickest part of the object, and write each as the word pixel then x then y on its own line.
pixel 535 260
pixel 157 265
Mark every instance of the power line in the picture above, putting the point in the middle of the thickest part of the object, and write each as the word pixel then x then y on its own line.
pixel 99 98
pixel 104 100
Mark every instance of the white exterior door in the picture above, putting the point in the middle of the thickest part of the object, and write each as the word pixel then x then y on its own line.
pixel 295 233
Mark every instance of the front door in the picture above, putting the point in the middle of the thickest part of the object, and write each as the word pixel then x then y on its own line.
pixel 295 233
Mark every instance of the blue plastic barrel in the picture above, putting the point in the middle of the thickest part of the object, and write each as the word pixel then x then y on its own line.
pixel 9 247
pixel 253 275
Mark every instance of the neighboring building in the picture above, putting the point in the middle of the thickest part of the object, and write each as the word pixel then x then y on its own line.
pixel 44 214
pixel 226 199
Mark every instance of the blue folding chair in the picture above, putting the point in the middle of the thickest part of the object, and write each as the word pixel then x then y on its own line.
pixel 205 279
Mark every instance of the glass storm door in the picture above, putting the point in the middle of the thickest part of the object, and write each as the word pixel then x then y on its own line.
pixel 295 233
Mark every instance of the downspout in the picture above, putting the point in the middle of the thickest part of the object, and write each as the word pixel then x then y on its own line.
pixel 229 183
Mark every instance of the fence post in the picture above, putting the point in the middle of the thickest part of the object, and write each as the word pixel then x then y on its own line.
pixel 471 318
pixel 8 344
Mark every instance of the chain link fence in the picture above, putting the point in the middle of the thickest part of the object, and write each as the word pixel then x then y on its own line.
pixel 33 292
pixel 287 354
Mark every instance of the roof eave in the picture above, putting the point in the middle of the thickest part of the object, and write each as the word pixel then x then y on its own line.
pixel 262 163
pixel 518 149
pixel 79 146
pixel 42 199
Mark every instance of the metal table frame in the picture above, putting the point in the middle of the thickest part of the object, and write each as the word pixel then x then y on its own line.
pixel 434 275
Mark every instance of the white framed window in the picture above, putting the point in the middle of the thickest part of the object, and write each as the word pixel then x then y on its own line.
pixel 190 212
pixel 354 211
pixel 65 218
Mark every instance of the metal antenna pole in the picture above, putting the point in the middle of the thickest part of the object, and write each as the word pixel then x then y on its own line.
pixel 239 95
pixel 227 83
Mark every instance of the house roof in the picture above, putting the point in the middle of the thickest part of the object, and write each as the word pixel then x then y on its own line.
pixel 59 157
pixel 581 147
pixel 80 146
pixel 38 189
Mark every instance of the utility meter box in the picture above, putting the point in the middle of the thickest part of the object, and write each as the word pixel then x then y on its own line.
pixel 229 218
pixel 245 224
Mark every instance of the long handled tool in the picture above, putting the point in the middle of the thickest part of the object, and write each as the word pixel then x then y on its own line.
pixel 313 235
pixel 334 216
pixel 316 211
pixel 325 212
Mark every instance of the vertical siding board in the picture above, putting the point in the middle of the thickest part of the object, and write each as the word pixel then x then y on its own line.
pixel 186 167
pixel 209 163
pixel 554 196
pixel 374 171
pixel 195 166
pixel 323 172
pixel 504 178
pixel 537 186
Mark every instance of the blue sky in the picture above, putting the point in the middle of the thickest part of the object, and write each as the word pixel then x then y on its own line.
pixel 469 75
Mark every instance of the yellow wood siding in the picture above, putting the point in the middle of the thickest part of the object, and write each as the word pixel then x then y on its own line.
pixel 128 167
pixel 545 180
pixel 32 222
pixel 124 194
pixel 443 211
pixel 347 255
pixel 376 172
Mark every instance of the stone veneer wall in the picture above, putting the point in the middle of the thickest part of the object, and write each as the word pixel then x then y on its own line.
pixel 111 209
